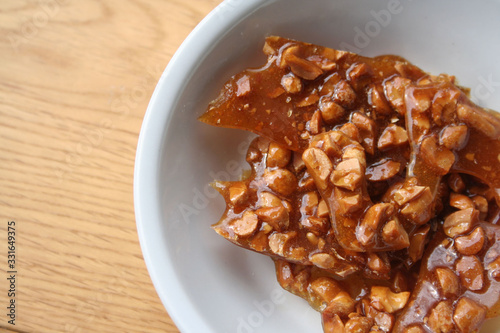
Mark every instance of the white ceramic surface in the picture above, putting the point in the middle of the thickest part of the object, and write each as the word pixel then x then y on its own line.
pixel 207 284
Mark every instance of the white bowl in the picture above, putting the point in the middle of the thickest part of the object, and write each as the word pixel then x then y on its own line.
pixel 207 284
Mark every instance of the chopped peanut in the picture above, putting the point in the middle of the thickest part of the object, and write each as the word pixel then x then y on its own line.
pixel 393 233
pixel 468 315
pixel 344 94
pixel 417 243
pixel 291 83
pixel 444 106
pixel 440 319
pixel 471 244
pixel 358 325
pixel 341 305
pixel 278 242
pixel 359 70
pixel 378 101
pixel 470 271
pixel 367 130
pixel 314 125
pixel 351 131
pixel 246 225
pixel 276 217
pixel 319 165
pixel 383 299
pixel 347 201
pixel 325 288
pixel 460 222
pixel 348 174
pixel 395 92
pixel 383 170
pixel 310 202
pixel 448 281
pixel 333 324
pixel 373 219
pixel 323 260
pixel 378 264
pixel 456 183
pixel 281 181
pixel 440 158
pixel 392 136
pixel 317 225
pixel 460 201
pixel 330 110
pixel 238 193
pixel 278 156
pixel 323 210
pixel 301 67
pixel 453 137
pixel 419 209
pixel 267 199
pixel 481 204
pixel 355 152
pixel 406 194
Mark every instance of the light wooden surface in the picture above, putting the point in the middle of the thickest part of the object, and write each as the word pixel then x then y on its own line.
pixel 75 80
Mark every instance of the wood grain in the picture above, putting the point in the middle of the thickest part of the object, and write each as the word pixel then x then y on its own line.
pixel 75 80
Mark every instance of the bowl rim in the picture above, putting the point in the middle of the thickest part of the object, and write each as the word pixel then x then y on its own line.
pixel 147 160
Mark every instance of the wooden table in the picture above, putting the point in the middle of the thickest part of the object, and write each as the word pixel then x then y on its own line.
pixel 75 81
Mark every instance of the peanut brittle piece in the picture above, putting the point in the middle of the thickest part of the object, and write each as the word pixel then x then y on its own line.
pixel 302 89
pixel 412 129
pixel 448 133
pixel 277 211
pixel 459 283
pixel 366 171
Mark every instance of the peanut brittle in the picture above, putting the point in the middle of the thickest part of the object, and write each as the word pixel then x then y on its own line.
pixel 278 211
pixel 304 89
pixel 459 283
pixel 359 163
pixel 356 304
pixel 457 288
